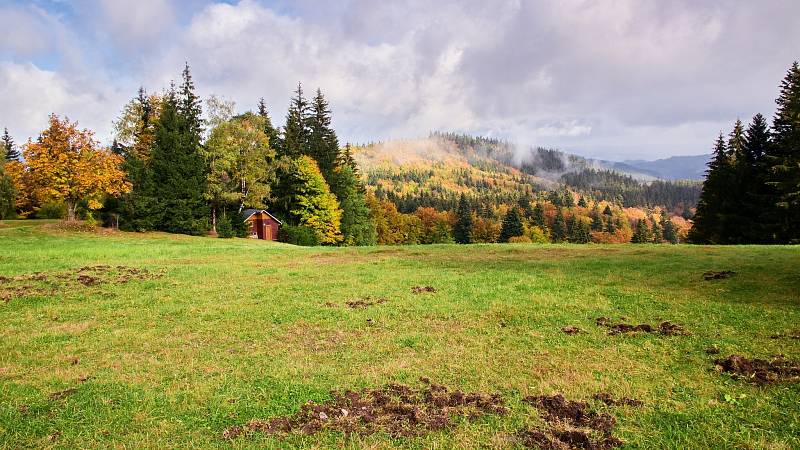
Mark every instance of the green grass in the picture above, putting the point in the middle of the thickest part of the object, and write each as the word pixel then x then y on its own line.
pixel 239 329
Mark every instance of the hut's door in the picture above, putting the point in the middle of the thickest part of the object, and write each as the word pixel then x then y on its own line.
pixel 260 227
pixel 267 231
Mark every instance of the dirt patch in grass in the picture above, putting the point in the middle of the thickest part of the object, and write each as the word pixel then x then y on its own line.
pixel 609 400
pixel 399 410
pixel 760 371
pixel 62 394
pixel 571 330
pixel 366 302
pixel 51 283
pixel 569 425
pixel 664 328
pixel 423 290
pixel 794 334
pixel 718 275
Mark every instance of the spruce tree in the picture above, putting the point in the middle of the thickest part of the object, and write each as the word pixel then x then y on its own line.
pixel 538 217
pixel 11 152
pixel 580 232
pixel 559 230
pixel 607 211
pixel 597 220
pixel 512 225
pixel 323 144
pixel 669 232
pixel 295 133
pixel 357 225
pixel 641 234
pixel 463 229
pixel 657 232
pixel 785 158
pixel 708 227
pixel 582 202
pixel 346 159
pixel 179 171
pixel 758 202
pixel 271 132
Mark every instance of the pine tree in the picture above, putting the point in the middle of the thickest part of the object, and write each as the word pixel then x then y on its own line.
pixel 559 231
pixel 641 235
pixel 11 152
pixel 179 171
pixel 271 132
pixel 582 202
pixel 580 232
pixel 785 158
pixel 607 211
pixel 708 227
pixel 610 225
pixel 463 229
pixel 323 144
pixel 295 133
pixel 512 225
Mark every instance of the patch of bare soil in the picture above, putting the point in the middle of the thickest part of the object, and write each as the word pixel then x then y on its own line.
pixel 571 330
pixel 398 410
pixel 609 400
pixel 664 328
pixel 51 283
pixel 569 425
pixel 366 302
pixel 423 290
pixel 62 394
pixel 760 371
pixel 718 275
pixel 794 334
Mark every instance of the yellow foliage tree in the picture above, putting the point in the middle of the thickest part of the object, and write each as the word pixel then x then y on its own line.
pixel 66 164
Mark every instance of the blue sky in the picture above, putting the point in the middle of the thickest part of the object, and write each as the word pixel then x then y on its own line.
pixel 615 79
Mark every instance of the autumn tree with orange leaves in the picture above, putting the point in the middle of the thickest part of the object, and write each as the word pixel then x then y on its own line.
pixel 66 164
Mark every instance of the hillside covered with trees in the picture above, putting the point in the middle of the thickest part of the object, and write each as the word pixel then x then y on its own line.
pixel 183 165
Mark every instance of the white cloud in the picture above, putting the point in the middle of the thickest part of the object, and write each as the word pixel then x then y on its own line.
pixel 602 78
pixel 30 94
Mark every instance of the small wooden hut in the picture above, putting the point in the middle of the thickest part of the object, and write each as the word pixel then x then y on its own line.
pixel 263 225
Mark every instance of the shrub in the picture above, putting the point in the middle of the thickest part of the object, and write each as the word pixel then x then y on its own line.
pixel 299 235
pixel 519 240
pixel 224 227
pixel 52 210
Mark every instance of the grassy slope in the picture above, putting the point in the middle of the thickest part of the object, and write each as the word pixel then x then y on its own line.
pixel 239 330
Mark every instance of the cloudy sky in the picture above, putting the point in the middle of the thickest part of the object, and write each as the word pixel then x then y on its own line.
pixel 603 78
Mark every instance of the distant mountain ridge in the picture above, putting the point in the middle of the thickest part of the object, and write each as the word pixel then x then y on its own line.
pixel 673 168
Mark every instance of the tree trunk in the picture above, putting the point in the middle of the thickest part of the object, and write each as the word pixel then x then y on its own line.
pixel 214 219
pixel 71 205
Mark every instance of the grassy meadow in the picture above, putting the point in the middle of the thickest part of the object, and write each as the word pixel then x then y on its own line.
pixel 196 335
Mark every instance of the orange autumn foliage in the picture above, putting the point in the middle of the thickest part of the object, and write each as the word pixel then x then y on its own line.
pixel 66 164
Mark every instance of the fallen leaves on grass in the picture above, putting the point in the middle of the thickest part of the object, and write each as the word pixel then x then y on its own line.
pixel 396 409
pixel 760 371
